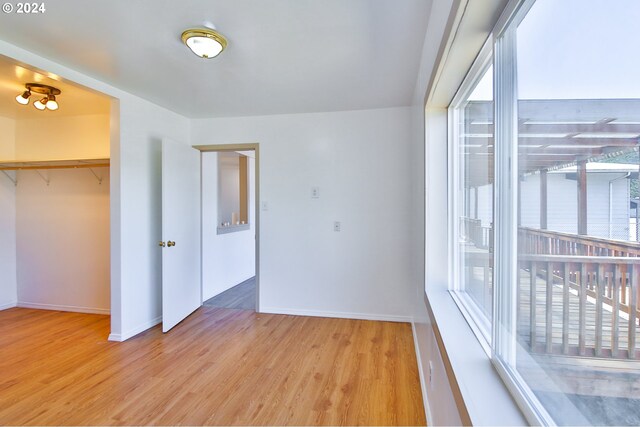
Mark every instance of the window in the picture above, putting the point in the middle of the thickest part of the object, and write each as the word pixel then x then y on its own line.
pixel 561 265
pixel 472 193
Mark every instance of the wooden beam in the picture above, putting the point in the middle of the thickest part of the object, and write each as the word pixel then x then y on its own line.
pixel 543 199
pixel 582 197
pixel 525 141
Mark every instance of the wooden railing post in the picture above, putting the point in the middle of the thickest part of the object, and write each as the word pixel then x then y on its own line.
pixel 615 332
pixel 599 289
pixel 582 197
pixel 549 309
pixel 582 315
pixel 632 273
pixel 532 302
pixel 566 283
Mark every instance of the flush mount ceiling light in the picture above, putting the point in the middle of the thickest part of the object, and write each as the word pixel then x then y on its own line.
pixel 47 102
pixel 204 42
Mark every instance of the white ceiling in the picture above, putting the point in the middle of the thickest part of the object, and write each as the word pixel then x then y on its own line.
pixel 73 101
pixel 284 56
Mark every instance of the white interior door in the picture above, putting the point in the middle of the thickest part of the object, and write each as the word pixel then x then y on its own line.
pixel 181 287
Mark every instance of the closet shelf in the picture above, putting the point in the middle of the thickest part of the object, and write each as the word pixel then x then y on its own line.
pixel 53 164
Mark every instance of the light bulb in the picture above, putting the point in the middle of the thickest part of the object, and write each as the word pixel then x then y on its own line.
pixel 23 98
pixel 52 104
pixel 41 104
pixel 204 47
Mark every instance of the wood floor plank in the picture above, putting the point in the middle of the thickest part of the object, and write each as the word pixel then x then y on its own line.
pixel 218 367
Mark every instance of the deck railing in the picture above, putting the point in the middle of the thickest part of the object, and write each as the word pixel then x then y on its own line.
pixel 535 241
pixel 577 295
pixel 605 290
pixel 472 230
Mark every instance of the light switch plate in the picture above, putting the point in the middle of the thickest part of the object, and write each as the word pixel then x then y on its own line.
pixel 315 192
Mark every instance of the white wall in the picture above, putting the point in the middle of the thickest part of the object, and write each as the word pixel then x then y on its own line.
pixel 443 410
pixel 137 159
pixel 227 259
pixel 63 240
pixel 8 283
pixel 440 406
pixel 359 161
pixel 63 137
pixel 7 138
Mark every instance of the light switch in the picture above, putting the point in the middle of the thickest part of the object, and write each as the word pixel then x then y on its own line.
pixel 315 192
pixel 265 206
pixel 336 226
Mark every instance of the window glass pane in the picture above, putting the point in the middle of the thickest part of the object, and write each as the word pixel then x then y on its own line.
pixel 578 130
pixel 474 197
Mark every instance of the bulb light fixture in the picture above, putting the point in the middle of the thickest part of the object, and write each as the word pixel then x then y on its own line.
pixel 48 102
pixel 41 104
pixel 23 98
pixel 204 42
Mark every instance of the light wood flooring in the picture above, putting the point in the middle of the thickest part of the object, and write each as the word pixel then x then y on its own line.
pixel 241 297
pixel 219 366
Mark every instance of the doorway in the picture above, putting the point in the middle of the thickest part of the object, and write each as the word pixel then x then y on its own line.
pixel 183 222
pixel 230 226
pixel 55 194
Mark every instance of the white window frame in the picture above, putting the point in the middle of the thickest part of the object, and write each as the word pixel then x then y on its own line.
pixel 477 320
pixel 506 213
pixel 497 338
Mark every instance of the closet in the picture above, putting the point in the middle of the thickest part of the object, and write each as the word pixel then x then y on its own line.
pixel 60 235
pixel 55 151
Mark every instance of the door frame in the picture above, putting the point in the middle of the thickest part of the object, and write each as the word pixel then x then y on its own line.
pixel 255 147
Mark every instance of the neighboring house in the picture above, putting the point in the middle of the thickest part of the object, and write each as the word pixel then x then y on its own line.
pixel 608 200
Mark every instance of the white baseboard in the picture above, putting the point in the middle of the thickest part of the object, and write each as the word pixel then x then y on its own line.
pixel 423 381
pixel 336 314
pixel 135 331
pixel 8 305
pixel 72 308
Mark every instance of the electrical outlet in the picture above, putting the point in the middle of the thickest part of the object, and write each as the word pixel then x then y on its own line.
pixel 336 226
pixel 315 192
pixel 265 206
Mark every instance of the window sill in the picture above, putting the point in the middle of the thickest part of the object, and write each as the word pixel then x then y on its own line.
pixel 232 228
pixel 481 396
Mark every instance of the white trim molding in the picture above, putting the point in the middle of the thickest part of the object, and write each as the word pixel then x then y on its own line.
pixel 8 305
pixel 337 314
pixel 71 308
pixel 423 381
pixel 135 331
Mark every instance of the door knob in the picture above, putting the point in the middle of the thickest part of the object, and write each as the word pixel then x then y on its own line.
pixel 161 244
pixel 170 243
